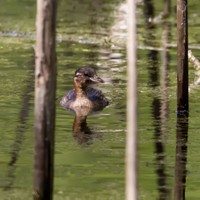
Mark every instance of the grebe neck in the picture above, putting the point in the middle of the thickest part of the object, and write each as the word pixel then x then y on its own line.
pixel 80 90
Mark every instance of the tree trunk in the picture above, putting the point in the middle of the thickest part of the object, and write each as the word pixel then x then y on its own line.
pixel 182 54
pixel 45 89
pixel 131 142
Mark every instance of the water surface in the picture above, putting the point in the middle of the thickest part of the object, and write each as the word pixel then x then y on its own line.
pixel 93 33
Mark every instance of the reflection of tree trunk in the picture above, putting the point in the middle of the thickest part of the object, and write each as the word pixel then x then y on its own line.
pixel 160 150
pixel 165 58
pixel 163 117
pixel 181 157
pixel 150 35
pixel 20 129
pixel 159 106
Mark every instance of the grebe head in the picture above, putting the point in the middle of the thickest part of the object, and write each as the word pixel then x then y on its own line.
pixel 86 76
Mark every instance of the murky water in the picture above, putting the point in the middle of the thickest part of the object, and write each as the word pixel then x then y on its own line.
pixel 93 167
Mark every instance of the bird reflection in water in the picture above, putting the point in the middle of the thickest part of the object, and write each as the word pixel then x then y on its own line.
pixel 81 131
pixel 83 100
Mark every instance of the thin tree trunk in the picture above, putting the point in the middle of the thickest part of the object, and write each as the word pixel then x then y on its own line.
pixel 182 48
pixel 45 88
pixel 182 100
pixel 131 142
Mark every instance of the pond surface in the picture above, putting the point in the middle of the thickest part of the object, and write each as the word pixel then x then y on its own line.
pixel 94 33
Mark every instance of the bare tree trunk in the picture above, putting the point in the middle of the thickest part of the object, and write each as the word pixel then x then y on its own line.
pixel 182 100
pixel 45 88
pixel 182 69
pixel 131 142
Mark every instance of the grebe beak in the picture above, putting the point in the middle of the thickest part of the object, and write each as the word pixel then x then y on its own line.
pixel 96 79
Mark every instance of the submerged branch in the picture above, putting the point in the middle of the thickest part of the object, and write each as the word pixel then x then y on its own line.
pixel 193 60
pixel 196 63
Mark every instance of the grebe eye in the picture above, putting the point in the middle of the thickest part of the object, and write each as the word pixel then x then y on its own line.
pixel 86 74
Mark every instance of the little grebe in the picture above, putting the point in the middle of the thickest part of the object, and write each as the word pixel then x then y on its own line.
pixel 84 95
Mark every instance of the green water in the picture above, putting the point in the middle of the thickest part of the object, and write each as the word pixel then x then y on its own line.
pixel 92 32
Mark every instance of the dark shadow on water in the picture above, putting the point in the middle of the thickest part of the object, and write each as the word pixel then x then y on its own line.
pixel 181 157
